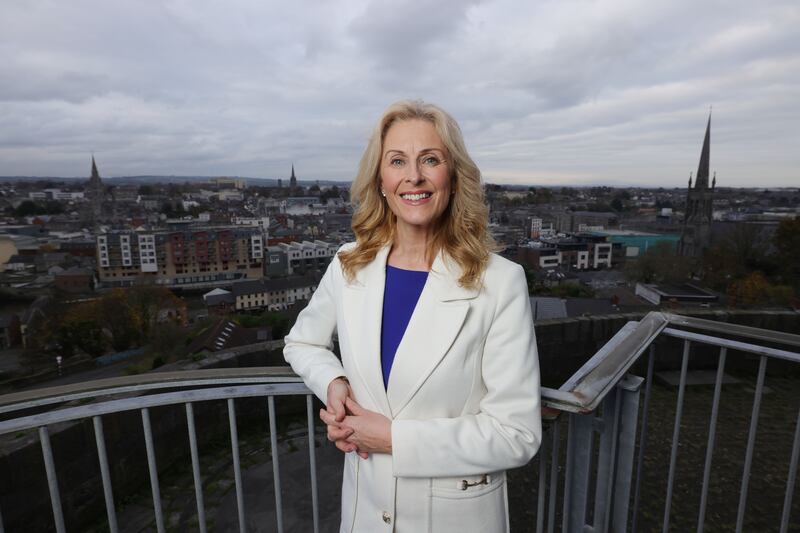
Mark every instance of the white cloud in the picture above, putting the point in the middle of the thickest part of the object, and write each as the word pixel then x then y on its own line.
pixel 550 92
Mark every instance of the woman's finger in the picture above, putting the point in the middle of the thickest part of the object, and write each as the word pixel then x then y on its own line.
pixel 345 446
pixel 335 434
pixel 337 409
pixel 328 419
pixel 354 407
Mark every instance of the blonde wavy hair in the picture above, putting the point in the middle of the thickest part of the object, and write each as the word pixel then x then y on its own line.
pixel 461 231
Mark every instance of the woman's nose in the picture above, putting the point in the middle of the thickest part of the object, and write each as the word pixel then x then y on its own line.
pixel 414 174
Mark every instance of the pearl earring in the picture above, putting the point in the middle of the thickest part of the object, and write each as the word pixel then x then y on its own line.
pixel 383 193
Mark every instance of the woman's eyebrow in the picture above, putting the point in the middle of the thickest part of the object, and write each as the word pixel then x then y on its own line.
pixel 424 151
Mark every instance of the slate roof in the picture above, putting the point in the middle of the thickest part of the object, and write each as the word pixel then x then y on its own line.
pixel 23 259
pixel 218 296
pixel 242 288
pixel 226 334
pixel 75 271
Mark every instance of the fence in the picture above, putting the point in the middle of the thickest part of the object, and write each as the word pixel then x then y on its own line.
pixel 596 487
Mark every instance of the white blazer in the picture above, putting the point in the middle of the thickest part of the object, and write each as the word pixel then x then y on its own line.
pixel 463 394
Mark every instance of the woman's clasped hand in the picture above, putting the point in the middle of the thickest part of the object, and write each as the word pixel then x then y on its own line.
pixel 353 428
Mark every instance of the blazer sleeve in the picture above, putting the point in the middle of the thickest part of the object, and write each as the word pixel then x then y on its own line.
pixel 309 344
pixel 507 430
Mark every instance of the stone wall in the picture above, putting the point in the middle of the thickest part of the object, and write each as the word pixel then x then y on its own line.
pixel 565 344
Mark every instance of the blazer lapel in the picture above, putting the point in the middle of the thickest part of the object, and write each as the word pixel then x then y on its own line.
pixel 363 304
pixel 434 325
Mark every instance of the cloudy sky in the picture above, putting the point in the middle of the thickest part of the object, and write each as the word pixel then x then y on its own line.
pixel 556 92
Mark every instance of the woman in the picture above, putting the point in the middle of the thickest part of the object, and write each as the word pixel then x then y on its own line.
pixel 437 390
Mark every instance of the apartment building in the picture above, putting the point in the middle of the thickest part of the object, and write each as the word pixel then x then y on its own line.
pixel 571 253
pixel 285 259
pixel 190 256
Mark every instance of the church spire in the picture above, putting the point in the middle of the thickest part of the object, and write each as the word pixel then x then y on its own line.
pixel 95 193
pixel 701 181
pixel 697 219
pixel 293 178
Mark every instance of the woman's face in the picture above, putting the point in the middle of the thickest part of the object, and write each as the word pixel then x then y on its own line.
pixel 415 176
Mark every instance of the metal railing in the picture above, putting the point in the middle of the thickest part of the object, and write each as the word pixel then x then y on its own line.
pixel 186 388
pixel 601 399
pixel 598 487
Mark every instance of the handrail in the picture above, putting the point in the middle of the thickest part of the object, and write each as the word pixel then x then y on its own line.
pixel 581 393
pixel 584 391
pixel 144 382
pixel 738 330
pixel 153 400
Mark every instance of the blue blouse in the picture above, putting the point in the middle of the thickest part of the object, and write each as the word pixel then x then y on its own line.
pixel 400 296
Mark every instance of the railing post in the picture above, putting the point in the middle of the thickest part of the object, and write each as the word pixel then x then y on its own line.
pixel 579 458
pixel 628 390
pixel 614 478
pixel 605 459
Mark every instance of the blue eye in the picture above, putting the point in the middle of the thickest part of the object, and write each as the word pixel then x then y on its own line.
pixel 397 162
pixel 430 161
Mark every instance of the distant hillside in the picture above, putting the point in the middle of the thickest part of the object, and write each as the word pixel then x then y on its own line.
pixel 149 180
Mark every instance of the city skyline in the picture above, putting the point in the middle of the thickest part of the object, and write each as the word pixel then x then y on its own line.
pixel 556 94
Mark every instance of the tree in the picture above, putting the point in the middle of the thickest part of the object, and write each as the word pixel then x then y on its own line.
pixel 27 208
pixel 53 207
pixel 148 303
pixel 756 290
pixel 659 264
pixel 567 290
pixel 623 195
pixel 78 330
pixel 736 256
pixel 167 341
pixel 544 196
pixel 114 314
pixel 787 245
pixel 122 318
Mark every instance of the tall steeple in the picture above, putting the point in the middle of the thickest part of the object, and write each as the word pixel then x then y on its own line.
pixel 95 193
pixel 696 234
pixel 701 181
pixel 293 179
pixel 95 174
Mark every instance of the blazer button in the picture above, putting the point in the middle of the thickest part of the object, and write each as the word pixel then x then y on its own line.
pixel 387 517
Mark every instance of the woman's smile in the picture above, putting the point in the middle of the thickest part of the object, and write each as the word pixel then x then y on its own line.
pixel 416 198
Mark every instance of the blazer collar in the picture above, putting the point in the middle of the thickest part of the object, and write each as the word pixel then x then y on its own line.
pixel 437 318
pixel 443 277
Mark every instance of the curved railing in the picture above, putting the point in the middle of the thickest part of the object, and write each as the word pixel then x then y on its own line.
pixel 602 401
pixel 142 393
